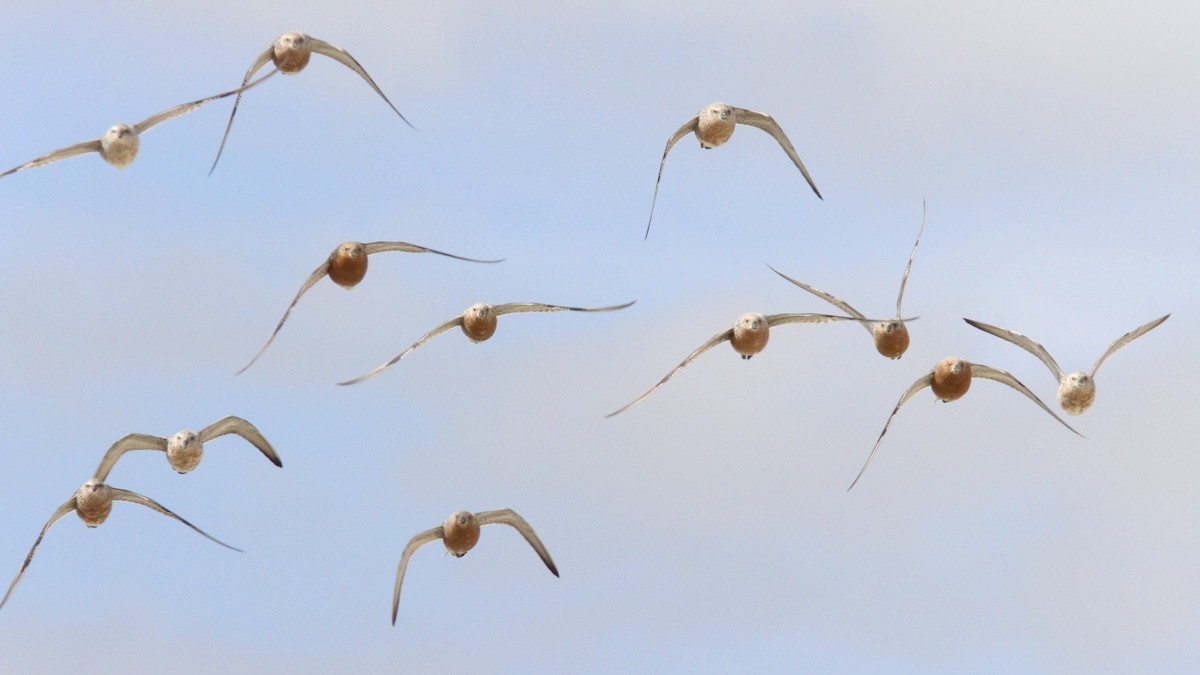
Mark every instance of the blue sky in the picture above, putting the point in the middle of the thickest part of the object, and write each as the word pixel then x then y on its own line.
pixel 706 530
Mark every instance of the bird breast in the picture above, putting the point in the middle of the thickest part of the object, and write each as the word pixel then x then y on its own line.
pixel 951 379
pixel 291 53
pixel 479 326
pixel 1076 392
pixel 93 506
pixel 184 453
pixel 460 533
pixel 713 129
pixel 750 335
pixel 119 149
pixel 346 267
pixel 891 343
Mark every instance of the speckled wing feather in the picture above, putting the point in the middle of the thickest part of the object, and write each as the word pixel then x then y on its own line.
pixel 510 517
pixel 1127 338
pixel 239 426
pixel 261 61
pixel 767 123
pixel 687 128
pixel 343 57
pixel 130 442
pixel 911 256
pixel 63 510
pixel 63 153
pixel 780 319
pixel 157 119
pixel 925 381
pixel 997 375
pixel 308 283
pixel 381 246
pixel 522 307
pixel 413 544
pixel 1023 342
pixel 456 321
pixel 717 339
pixel 133 497
pixel 835 301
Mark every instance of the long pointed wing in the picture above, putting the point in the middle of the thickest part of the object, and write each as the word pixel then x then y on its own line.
pixel 261 61
pixel 908 268
pixel 63 153
pixel 239 426
pixel 917 386
pixel 1127 338
pixel 343 57
pixel 127 496
pixel 713 342
pixel 413 544
pixel 835 301
pixel 63 510
pixel 997 375
pixel 767 123
pixel 687 128
pixel 522 307
pixel 130 442
pixel 157 119
pixel 1023 342
pixel 780 319
pixel 456 321
pixel 308 283
pixel 510 517
pixel 381 246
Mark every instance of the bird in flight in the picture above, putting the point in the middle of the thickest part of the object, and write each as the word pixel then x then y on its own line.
pixel 93 503
pixel 1077 390
pixel 478 323
pixel 713 125
pixel 748 336
pixel 119 145
pixel 185 448
pixel 950 379
pixel 460 533
pixel 290 53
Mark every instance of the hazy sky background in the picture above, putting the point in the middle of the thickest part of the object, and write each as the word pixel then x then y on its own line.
pixel 707 529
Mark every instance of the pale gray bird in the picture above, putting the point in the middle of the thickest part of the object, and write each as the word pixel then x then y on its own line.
pixel 1077 390
pixel 713 125
pixel 185 448
pixel 290 53
pixel 119 145
pixel 460 533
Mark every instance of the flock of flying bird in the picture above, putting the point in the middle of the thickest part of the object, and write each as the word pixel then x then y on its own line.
pixel 346 266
